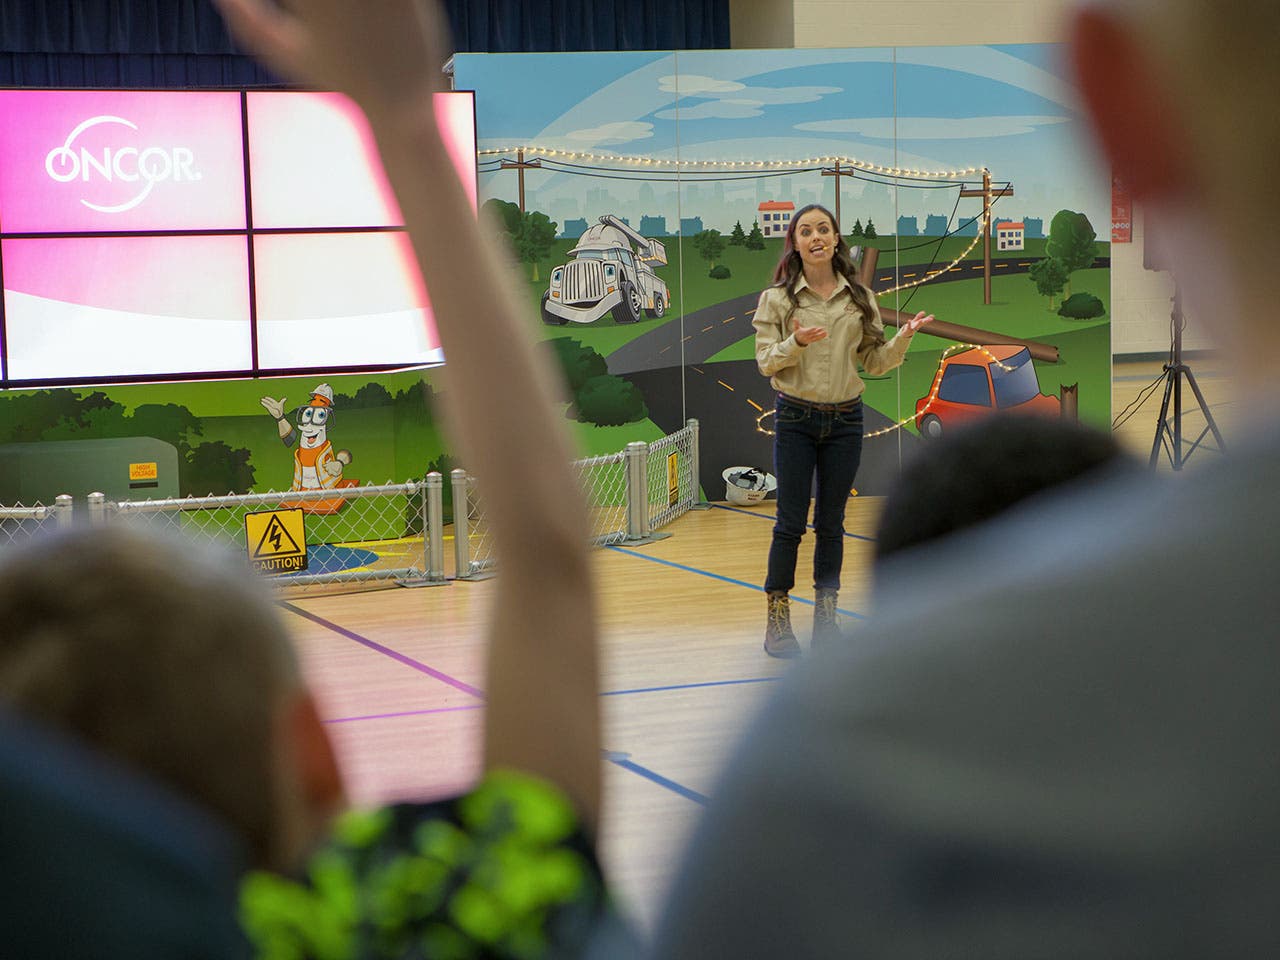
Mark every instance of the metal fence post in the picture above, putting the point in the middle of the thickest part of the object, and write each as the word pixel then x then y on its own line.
pixel 461 524
pixel 63 509
pixel 695 458
pixel 637 460
pixel 433 525
pixel 97 509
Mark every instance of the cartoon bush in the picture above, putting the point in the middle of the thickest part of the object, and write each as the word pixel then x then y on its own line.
pixel 214 468
pixel 578 362
pixel 719 272
pixel 1081 306
pixel 609 401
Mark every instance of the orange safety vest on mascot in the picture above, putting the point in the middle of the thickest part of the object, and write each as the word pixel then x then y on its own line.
pixel 309 471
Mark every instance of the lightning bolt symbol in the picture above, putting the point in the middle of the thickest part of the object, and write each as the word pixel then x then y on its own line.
pixel 274 537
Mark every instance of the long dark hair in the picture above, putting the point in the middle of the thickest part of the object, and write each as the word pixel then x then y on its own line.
pixel 790 267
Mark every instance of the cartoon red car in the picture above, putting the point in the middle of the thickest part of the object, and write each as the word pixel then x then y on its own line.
pixel 979 382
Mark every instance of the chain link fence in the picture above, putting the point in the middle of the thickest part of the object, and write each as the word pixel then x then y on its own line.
pixel 604 483
pixel 629 495
pixel 19 524
pixel 672 476
pixel 308 538
pixel 394 532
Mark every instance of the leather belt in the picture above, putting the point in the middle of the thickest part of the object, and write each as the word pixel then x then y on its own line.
pixel 845 406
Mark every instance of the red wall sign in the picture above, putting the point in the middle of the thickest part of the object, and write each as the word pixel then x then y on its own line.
pixel 1121 212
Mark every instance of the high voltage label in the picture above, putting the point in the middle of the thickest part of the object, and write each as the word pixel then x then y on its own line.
pixel 673 478
pixel 276 541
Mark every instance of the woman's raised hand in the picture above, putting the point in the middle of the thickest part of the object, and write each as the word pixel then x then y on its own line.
pixel 916 322
pixel 807 335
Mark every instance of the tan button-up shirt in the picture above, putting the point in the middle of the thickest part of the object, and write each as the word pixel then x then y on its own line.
pixel 826 371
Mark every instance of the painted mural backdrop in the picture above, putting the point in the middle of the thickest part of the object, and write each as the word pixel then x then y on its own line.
pixel 646 194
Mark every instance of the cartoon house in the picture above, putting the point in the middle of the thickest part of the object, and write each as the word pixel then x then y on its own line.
pixel 1011 235
pixel 775 217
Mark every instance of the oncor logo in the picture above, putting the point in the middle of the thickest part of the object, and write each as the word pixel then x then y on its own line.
pixel 150 165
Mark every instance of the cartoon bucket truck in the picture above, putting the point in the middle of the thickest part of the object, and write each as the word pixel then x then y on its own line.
pixel 607 275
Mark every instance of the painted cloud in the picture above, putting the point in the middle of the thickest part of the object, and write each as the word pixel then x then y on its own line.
pixel 620 131
pixel 932 128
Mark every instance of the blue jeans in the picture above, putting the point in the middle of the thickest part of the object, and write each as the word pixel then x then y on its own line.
pixel 809 444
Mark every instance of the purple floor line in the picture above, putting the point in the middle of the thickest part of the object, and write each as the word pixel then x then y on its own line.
pixel 408 713
pixel 626 764
pixel 386 651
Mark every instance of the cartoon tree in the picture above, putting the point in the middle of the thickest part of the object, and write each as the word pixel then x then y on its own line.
pixel 737 237
pixel 533 241
pixel 503 214
pixel 870 232
pixel 856 233
pixel 530 233
pixel 1049 276
pixel 755 239
pixel 709 244
pixel 1071 242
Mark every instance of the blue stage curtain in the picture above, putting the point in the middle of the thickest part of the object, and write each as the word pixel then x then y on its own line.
pixel 524 26
pixel 135 71
pixel 184 42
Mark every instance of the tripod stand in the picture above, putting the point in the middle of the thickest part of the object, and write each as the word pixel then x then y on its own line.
pixel 1174 371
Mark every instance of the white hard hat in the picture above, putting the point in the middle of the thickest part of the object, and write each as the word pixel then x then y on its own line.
pixel 747 486
pixel 322 396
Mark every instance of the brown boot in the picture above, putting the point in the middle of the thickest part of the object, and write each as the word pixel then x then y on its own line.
pixel 826 622
pixel 779 638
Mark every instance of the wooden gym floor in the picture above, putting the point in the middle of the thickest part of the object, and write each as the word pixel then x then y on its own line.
pixel 399 673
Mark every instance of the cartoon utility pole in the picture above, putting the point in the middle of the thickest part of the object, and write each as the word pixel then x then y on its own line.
pixel 838 172
pixel 520 166
pixel 988 197
pixel 315 464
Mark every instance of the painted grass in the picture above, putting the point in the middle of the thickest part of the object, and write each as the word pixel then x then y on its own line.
pixel 1017 310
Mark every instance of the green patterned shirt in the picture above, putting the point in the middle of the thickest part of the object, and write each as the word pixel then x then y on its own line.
pixel 504 871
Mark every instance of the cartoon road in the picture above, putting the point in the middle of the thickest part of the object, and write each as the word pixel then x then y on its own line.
pixel 728 399
pixel 704 333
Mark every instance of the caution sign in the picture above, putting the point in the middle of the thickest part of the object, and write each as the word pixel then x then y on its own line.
pixel 276 541
pixel 673 478
pixel 143 471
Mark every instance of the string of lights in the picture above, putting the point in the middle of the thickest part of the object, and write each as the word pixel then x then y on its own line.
pixel 663 163
pixel 724 174
pixel 986 223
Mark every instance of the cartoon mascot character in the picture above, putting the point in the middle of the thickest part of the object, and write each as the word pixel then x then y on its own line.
pixel 315 464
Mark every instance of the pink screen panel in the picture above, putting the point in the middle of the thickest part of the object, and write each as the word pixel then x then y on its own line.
pixel 313 161
pixel 112 160
pixel 341 300
pixel 125 306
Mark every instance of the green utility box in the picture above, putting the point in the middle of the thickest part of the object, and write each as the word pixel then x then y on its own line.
pixel 123 468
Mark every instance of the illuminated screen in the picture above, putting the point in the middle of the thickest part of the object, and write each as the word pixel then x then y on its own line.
pixel 163 234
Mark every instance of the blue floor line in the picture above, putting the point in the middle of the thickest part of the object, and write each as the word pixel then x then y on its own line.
pixel 659 779
pixel 689 686
pixel 717 576
pixel 771 519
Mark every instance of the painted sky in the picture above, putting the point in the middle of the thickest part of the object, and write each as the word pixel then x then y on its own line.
pixel 1006 108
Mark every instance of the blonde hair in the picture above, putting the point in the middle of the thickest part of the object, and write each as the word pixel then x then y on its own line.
pixel 164 657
